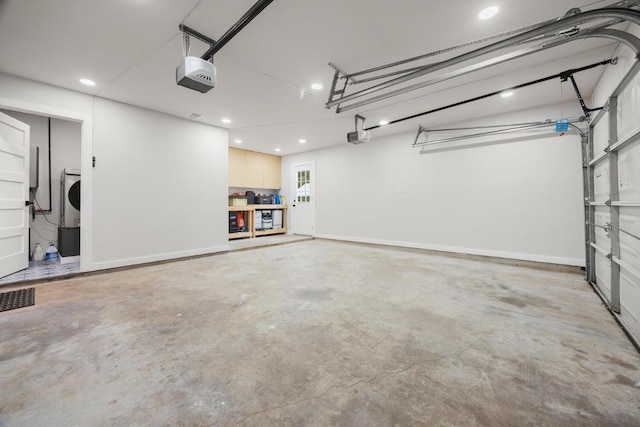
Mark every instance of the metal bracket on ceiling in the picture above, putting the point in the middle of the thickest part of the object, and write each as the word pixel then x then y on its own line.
pixel 587 111
pixel 196 34
pixel 360 135
pixel 337 76
pixel 215 46
pixel 190 32
pixel 420 131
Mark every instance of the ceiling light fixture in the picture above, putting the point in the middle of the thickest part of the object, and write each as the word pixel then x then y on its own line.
pixel 506 94
pixel 316 86
pixel 383 122
pixel 226 121
pixel 278 150
pixel 488 13
pixel 302 141
pixel 238 141
pixel 87 82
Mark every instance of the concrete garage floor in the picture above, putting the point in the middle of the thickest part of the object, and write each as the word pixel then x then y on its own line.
pixel 318 333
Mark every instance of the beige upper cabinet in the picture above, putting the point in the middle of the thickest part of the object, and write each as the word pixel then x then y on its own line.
pixel 254 169
pixel 271 171
pixel 236 167
pixel 248 169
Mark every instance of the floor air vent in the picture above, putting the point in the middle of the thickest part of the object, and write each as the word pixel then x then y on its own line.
pixel 17 299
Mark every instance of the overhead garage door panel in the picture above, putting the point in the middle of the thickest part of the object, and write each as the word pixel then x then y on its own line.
pixel 601 188
pixel 628 173
pixel 601 135
pixel 630 246
pixel 629 109
pixel 602 219
pixel 614 192
pixel 630 301
pixel 603 274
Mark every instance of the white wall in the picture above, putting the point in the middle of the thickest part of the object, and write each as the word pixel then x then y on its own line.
pixel 520 200
pixel 65 153
pixel 160 186
pixel 159 189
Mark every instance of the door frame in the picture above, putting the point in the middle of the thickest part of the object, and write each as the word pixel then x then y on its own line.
pixel 293 185
pixel 86 155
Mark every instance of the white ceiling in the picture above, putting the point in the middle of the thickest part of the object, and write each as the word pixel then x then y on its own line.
pixel 131 49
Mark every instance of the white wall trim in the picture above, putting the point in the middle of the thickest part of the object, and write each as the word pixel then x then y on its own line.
pixel 577 262
pixel 125 262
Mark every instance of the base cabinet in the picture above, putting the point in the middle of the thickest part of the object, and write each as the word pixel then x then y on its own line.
pixel 260 220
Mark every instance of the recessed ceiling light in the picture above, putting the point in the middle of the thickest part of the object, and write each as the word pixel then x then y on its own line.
pixel 238 141
pixel 302 141
pixel 489 12
pixel 278 150
pixel 384 122
pixel 316 86
pixel 226 120
pixel 87 82
pixel 506 94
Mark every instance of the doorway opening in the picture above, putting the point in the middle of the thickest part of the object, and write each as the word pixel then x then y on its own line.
pixel 303 184
pixel 54 198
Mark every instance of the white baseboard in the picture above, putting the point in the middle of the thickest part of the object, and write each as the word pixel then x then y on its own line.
pixel 69 259
pixel 155 258
pixel 576 262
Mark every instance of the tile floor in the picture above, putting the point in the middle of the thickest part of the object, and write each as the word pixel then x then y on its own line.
pixel 42 270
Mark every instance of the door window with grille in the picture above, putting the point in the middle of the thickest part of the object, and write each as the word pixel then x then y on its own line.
pixel 303 187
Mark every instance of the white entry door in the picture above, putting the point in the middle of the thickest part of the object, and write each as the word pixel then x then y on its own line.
pixel 304 199
pixel 14 191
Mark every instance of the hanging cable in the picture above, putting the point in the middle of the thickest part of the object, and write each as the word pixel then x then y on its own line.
pixel 561 100
pixel 623 230
pixel 607 228
pixel 40 209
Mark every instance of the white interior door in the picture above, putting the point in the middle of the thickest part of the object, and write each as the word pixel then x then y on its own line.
pixel 304 199
pixel 14 191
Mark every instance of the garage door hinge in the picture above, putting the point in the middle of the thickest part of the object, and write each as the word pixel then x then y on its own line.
pixel 609 256
pixel 607 149
pixel 608 203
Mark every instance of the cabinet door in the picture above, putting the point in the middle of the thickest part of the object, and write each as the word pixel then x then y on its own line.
pixel 254 169
pixel 272 172
pixel 237 168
